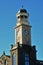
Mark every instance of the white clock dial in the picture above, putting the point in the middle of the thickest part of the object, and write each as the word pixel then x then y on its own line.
pixel 26 32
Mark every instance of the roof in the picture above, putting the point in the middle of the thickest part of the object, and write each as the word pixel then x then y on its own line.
pixel 5 55
pixel 22 11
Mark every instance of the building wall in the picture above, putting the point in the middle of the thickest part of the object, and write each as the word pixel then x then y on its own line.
pixel 5 60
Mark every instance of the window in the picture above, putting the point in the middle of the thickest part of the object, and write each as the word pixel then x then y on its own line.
pixel 0 63
pixel 5 62
pixel 26 59
pixel 21 16
pixel 14 59
pixel 25 16
pixel 18 17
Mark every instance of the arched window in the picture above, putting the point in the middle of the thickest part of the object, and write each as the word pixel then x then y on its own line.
pixel 5 62
pixel 13 59
pixel 26 59
pixel 0 63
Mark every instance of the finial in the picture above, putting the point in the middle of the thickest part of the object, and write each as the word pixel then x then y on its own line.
pixel 3 52
pixel 22 6
pixel 11 46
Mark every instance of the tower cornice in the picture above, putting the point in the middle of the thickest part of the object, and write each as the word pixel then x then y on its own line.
pixel 23 25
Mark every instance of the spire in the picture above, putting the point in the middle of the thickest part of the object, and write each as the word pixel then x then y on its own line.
pixel 3 52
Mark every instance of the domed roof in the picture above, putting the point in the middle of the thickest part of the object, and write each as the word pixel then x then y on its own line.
pixel 22 11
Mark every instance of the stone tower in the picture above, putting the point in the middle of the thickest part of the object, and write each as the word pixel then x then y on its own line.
pixel 23 28
pixel 23 53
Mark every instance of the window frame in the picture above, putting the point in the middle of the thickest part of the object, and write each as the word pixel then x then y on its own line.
pixel 26 59
pixel 14 59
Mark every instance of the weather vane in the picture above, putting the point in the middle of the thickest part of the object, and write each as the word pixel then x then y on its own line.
pixel 22 6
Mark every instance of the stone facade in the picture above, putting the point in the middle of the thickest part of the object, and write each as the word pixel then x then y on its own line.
pixel 5 59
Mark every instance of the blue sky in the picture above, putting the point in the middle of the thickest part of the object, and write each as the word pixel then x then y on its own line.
pixel 8 10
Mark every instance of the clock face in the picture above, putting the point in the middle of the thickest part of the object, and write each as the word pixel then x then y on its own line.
pixel 26 32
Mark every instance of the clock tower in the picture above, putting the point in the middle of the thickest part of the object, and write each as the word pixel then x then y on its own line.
pixel 23 53
pixel 23 28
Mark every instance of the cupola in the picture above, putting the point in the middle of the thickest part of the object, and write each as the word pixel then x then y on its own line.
pixel 22 13
pixel 22 16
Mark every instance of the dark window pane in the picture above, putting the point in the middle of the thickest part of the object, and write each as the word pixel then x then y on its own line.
pixel 18 17
pixel 26 59
pixel 25 16
pixel 21 16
